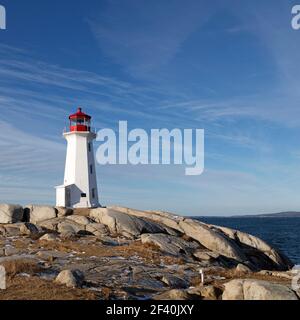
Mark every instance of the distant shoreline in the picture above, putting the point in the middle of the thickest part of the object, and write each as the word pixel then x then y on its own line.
pixel 289 214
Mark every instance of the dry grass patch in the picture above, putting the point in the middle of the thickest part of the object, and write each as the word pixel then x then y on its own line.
pixel 13 267
pixel 34 288
pixel 106 293
pixel 23 243
pixel 148 252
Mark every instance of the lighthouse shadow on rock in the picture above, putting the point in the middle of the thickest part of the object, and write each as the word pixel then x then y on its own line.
pixel 80 184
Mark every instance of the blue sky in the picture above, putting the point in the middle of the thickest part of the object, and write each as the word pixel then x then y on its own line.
pixel 230 67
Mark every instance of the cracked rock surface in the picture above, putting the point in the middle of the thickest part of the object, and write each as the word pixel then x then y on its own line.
pixel 122 253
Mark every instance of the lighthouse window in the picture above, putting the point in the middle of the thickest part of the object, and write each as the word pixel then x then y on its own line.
pixel 91 169
pixel 89 146
pixel 83 195
pixel 93 193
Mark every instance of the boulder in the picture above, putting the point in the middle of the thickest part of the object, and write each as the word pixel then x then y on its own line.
pixel 66 230
pixel 173 232
pixel 162 218
pixel 205 255
pixel 9 250
pixel 51 224
pixel 209 292
pixel 20 229
pixel 250 289
pixel 234 290
pixel 263 253
pixel 29 229
pixel 242 268
pixel 97 229
pixel 174 282
pixel 48 237
pixel 70 278
pixel 263 290
pixel 170 244
pixel 11 230
pixel 120 223
pixel 79 219
pixel 10 213
pixel 38 213
pixel 63 212
pixel 70 226
pixel 211 239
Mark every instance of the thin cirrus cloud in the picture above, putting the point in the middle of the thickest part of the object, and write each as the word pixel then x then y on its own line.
pixel 29 165
pixel 145 51
pixel 27 153
pixel 143 36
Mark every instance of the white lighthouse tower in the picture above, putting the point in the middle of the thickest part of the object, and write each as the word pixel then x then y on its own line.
pixel 80 184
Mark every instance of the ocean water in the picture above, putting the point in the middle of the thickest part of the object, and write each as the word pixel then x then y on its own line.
pixel 282 233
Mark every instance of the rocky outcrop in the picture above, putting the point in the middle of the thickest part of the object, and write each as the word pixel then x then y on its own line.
pixel 250 289
pixel 212 240
pixel 10 213
pixel 131 254
pixel 170 244
pixel 120 223
pixel 261 252
pixel 40 213
pixel 162 218
pixel 160 228
pixel 232 244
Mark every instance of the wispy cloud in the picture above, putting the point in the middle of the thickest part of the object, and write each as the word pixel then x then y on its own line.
pixel 143 36
pixel 29 166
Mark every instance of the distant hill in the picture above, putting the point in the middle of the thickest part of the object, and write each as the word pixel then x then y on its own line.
pixel 288 214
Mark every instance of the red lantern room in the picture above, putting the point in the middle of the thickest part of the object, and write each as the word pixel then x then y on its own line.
pixel 80 121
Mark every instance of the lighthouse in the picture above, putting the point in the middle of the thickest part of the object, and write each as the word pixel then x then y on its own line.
pixel 79 189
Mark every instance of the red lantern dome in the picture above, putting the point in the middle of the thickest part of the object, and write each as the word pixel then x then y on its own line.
pixel 80 121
